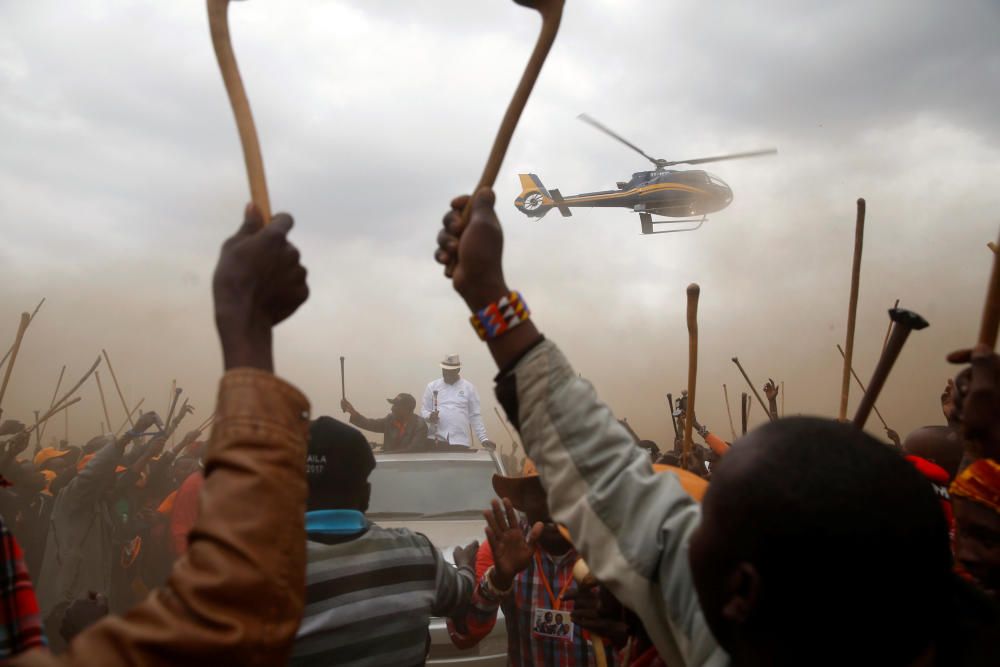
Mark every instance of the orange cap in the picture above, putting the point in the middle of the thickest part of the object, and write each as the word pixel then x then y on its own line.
pixel 47 453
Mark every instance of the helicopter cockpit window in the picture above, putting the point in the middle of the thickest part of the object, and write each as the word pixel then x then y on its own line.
pixel 715 180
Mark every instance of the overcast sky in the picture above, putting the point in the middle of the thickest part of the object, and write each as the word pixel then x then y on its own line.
pixel 121 173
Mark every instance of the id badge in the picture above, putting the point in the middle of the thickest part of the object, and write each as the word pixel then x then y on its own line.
pixel 551 624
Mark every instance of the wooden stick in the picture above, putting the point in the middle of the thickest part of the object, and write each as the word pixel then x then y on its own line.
pixel 729 412
pixel 137 406
pixel 904 322
pixel 343 390
pixel 744 410
pixel 991 309
pixel 584 578
pixel 504 424
pixel 208 421
pixel 753 388
pixel 673 420
pixel 218 22
pixel 888 329
pixel 852 309
pixel 100 390
pixel 173 403
pixel 52 413
pixel 551 11
pixel 11 348
pixel 118 388
pixel 172 399
pixel 862 387
pixel 693 294
pixel 22 326
pixel 72 391
pixel 66 426
pixel 38 437
pixel 56 392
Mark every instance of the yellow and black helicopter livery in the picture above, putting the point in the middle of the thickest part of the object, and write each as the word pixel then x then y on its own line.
pixel 665 192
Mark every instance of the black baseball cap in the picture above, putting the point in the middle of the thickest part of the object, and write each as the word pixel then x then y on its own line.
pixel 339 458
pixel 406 400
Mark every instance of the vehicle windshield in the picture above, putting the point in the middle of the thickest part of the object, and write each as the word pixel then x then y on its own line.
pixel 431 489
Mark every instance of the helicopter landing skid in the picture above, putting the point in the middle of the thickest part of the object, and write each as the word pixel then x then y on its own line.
pixel 647 222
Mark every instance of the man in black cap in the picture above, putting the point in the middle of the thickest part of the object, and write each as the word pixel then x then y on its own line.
pixel 370 591
pixel 402 430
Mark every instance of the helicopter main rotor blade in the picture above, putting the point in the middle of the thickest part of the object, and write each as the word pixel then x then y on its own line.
pixel 719 158
pixel 590 121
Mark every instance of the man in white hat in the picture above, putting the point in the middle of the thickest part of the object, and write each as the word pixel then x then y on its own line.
pixel 451 407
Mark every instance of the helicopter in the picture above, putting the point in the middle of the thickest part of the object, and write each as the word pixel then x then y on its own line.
pixel 690 194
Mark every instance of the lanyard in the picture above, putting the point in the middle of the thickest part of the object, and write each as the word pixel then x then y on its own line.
pixel 556 601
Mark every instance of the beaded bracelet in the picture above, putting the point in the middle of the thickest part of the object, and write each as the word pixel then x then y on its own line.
pixel 490 589
pixel 500 316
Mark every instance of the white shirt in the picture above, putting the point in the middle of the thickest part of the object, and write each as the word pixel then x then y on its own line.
pixel 458 410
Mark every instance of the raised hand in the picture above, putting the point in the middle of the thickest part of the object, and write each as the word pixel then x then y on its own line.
pixel 977 400
pixel 472 251
pixel 258 283
pixel 771 390
pixel 466 556
pixel 145 420
pixel 511 551
pixel 948 403
pixel 346 406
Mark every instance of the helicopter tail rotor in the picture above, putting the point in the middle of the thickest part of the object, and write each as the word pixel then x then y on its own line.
pixel 534 201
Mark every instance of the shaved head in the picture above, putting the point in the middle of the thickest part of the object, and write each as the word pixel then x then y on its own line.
pixel 813 530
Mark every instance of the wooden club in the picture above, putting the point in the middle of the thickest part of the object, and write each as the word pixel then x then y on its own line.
pixel 693 293
pixel 118 387
pixel 760 400
pixel 22 326
pixel 218 22
pixel 583 576
pixel 55 393
pixel 852 308
pixel 744 411
pixel 862 386
pixel 343 385
pixel 30 320
pixel 729 411
pixel 551 11
pixel 104 405
pixel 904 321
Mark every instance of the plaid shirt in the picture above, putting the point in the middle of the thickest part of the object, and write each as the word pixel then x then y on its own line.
pixel 20 624
pixel 523 648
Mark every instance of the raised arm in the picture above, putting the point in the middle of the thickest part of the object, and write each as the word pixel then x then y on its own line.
pixel 630 524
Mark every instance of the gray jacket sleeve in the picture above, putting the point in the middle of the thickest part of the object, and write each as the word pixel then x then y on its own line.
pixel 96 477
pixel 631 525
pixel 453 585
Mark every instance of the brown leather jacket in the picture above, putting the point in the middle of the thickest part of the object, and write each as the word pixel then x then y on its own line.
pixel 236 596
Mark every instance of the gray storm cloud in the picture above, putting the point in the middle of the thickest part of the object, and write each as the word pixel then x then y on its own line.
pixel 120 174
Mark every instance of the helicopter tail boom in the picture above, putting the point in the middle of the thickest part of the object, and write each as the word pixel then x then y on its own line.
pixel 535 200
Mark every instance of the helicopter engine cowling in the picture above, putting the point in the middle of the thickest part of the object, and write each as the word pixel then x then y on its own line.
pixel 534 201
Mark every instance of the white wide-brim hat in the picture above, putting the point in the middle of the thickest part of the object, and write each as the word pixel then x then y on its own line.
pixel 451 363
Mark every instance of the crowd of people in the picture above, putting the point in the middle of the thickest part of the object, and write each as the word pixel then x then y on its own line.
pixel 805 541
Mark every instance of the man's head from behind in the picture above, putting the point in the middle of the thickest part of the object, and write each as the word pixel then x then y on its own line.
pixel 817 542
pixel 337 467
